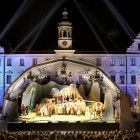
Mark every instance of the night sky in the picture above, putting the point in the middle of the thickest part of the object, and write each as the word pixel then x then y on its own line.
pixel 99 26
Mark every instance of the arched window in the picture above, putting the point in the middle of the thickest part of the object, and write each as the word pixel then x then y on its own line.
pixel 64 34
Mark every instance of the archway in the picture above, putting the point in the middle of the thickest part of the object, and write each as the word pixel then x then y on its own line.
pixel 93 85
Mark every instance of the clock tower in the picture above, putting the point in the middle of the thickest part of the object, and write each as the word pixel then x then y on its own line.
pixel 65 32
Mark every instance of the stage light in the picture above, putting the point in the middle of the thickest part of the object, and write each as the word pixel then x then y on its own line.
pixel 92 75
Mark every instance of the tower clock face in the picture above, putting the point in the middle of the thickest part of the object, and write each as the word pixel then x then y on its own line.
pixel 64 43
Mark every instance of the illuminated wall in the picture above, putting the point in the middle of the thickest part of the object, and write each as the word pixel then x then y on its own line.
pixel 114 65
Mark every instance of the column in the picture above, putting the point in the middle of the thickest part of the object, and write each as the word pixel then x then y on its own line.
pixel 108 105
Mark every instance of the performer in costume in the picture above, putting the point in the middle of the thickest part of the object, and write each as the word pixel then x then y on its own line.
pixel 23 110
pixel 42 110
pixel 37 109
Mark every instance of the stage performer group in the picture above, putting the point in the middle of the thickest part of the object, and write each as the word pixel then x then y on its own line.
pixel 68 104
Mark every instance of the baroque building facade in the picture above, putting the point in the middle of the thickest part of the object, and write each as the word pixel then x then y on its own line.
pixel 123 69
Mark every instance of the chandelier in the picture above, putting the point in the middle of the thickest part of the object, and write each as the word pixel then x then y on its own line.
pixel 63 71
pixel 93 76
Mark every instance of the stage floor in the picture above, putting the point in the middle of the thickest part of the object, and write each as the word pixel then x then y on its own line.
pixel 33 118
pixel 60 122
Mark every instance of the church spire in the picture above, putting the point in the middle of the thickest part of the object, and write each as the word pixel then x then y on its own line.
pixel 65 32
pixel 65 14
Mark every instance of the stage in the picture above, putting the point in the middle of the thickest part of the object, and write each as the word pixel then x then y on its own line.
pixel 60 122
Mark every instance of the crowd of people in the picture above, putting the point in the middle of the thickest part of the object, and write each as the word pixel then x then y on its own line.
pixel 71 135
pixel 70 104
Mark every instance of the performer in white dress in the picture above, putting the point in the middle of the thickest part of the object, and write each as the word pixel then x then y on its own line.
pixel 46 113
pixel 42 110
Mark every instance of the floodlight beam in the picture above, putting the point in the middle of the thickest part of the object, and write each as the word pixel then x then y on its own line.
pixel 18 13
pixel 92 29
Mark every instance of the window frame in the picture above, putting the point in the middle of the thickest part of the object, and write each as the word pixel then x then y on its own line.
pixel 113 77
pixel 9 62
pixel 133 81
pixel 21 63
pixel 112 62
pixel 122 75
pixel 34 61
pixel 8 79
pixel 98 62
